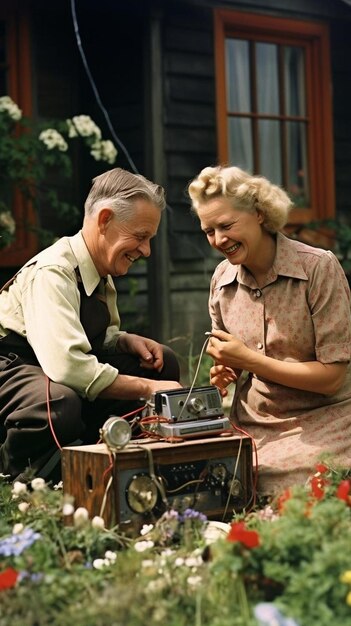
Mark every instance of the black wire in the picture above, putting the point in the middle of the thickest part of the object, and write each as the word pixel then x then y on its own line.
pixel 96 93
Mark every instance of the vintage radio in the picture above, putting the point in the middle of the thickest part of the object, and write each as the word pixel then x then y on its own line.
pixel 136 484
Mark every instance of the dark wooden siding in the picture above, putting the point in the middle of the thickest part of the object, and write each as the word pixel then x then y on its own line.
pixel 340 32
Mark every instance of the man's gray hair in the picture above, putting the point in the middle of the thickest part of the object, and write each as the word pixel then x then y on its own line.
pixel 118 189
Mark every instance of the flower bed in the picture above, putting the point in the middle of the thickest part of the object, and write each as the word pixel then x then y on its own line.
pixel 286 564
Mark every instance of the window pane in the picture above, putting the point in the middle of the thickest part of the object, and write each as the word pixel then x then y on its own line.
pixel 267 78
pixel 238 75
pixel 294 78
pixel 240 143
pixel 298 185
pixel 269 150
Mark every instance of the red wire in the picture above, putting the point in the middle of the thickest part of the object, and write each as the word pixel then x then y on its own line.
pixel 49 412
pixel 109 468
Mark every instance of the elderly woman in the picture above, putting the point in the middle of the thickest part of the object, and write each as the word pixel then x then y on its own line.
pixel 281 328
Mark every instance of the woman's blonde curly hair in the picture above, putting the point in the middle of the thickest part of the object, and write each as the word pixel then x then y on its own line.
pixel 245 193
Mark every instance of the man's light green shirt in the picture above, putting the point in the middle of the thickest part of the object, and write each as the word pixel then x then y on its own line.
pixel 43 306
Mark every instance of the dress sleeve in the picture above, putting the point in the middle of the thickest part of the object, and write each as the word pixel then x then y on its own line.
pixel 51 303
pixel 329 302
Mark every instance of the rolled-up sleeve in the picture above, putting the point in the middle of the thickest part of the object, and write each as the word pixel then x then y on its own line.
pixel 329 298
pixel 51 304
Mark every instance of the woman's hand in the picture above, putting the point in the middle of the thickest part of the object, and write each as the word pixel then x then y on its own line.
pixel 227 350
pixel 231 353
pixel 149 351
pixel 222 377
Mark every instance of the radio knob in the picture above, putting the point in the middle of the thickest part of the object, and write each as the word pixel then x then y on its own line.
pixel 196 405
pixel 141 493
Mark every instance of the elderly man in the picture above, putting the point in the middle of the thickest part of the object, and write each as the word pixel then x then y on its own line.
pixel 65 365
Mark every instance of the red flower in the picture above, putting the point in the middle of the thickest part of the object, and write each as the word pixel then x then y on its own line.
pixel 343 491
pixel 238 532
pixel 286 495
pixel 321 468
pixel 8 578
pixel 317 486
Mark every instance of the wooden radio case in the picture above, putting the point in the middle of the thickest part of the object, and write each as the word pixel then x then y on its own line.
pixel 135 485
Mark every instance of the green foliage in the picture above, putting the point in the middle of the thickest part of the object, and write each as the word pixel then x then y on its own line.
pixel 195 366
pixel 35 159
pixel 291 557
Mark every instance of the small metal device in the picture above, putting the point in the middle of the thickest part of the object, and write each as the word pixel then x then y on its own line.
pixel 116 432
pixel 185 405
pixel 197 428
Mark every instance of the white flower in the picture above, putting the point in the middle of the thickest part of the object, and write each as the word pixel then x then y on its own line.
pixel 194 581
pixel 193 561
pixel 11 108
pixel 38 484
pixel 99 563
pixel 156 585
pixel 110 556
pixel 147 563
pixel 18 488
pixel 179 561
pixel 84 126
pixel 67 509
pixel 71 129
pixel 17 529
pixel 104 151
pixel 215 530
pixel 98 522
pixel 23 506
pixel 141 546
pixel 80 516
pixel 7 222
pixel 53 139
pixel 146 529
pixel 58 486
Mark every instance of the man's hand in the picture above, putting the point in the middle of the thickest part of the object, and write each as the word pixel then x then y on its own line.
pixel 127 387
pixel 149 351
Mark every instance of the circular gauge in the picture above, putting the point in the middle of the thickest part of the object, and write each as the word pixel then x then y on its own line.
pixel 141 493
pixel 234 487
pixel 116 432
pixel 219 472
pixel 195 405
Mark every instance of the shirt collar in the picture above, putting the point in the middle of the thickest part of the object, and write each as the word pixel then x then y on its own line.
pixel 88 272
pixel 286 263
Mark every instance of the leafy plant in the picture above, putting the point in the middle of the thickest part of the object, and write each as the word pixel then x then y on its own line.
pixel 286 564
pixel 195 367
pixel 33 156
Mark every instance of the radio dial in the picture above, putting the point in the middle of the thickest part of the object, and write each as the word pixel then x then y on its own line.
pixel 196 405
pixel 141 493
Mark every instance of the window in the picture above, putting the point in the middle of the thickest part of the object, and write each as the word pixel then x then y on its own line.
pixel 15 81
pixel 274 105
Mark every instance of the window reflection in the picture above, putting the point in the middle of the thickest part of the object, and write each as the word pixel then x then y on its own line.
pixel 294 79
pixel 238 75
pixel 297 164
pixel 240 143
pixel 267 78
pixel 270 151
